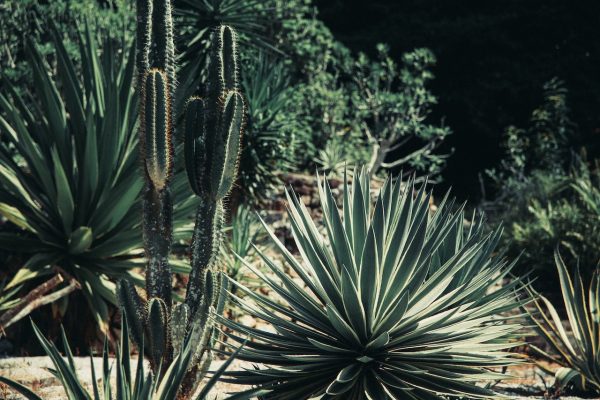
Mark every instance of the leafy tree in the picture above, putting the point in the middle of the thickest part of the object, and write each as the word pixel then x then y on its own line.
pixel 392 106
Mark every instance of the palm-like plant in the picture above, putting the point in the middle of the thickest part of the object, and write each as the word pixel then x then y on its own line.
pixel 578 351
pixel 69 170
pixel 197 18
pixel 397 303
pixel 270 145
pixel 139 385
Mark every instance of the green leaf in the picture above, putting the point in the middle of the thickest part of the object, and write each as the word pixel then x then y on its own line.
pixel 65 203
pixel 80 240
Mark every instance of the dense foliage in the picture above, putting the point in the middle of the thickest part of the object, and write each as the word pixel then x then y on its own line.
pixel 547 195
pixel 24 19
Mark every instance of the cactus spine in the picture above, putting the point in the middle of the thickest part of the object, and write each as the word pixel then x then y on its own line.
pixel 213 127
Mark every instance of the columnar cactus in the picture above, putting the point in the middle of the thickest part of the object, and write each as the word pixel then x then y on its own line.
pixel 213 127
pixel 212 142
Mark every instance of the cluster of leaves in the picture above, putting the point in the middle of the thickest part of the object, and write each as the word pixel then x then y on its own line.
pixel 576 352
pixel 270 145
pixel 392 106
pixel 69 176
pixel 137 384
pixel 546 195
pixel 24 19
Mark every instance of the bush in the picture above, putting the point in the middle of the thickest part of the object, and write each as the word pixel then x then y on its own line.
pixel 22 23
pixel 392 108
pixel 576 352
pixel 270 145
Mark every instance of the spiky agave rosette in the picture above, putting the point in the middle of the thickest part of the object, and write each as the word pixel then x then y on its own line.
pixel 398 302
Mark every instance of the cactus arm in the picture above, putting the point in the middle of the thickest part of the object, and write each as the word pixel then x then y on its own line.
pixel 204 249
pixel 159 332
pixel 157 129
pixel 231 128
pixel 157 151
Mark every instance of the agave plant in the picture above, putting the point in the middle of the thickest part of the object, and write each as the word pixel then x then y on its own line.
pixel 578 351
pixel 139 385
pixel 69 170
pixel 395 302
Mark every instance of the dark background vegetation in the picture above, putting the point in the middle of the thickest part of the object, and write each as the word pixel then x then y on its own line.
pixel 493 58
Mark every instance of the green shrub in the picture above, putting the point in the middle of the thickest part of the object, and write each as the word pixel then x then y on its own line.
pixel 270 146
pixel 546 196
pixel 23 21
pixel 392 107
pixel 394 302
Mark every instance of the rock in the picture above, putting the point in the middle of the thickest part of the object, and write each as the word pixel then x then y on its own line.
pixel 247 320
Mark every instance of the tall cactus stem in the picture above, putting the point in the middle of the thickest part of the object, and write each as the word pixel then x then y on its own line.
pixel 204 250
pixel 158 227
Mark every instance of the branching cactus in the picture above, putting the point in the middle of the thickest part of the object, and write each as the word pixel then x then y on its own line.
pixel 213 126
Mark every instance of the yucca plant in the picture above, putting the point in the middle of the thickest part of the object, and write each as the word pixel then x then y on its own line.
pixel 196 19
pixel 269 146
pixel 129 384
pixel 576 347
pixel 69 170
pixel 396 302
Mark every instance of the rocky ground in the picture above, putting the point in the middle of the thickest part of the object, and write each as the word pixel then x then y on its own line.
pixel 33 373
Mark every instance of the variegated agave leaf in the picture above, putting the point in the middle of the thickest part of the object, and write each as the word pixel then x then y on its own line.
pixel 396 302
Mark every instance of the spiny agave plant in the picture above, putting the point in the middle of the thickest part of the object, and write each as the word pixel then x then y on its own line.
pixel 578 351
pixel 68 176
pixel 395 302
pixel 213 126
pixel 130 385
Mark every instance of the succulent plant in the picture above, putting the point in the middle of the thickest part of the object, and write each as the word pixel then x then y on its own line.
pixel 395 302
pixel 213 126
pixel 577 352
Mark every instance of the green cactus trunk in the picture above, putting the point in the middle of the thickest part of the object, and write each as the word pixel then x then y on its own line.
pixel 213 128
